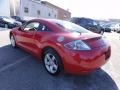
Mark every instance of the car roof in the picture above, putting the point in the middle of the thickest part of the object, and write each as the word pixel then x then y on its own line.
pixel 47 20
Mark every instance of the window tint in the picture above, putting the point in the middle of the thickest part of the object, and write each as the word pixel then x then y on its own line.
pixel 70 27
pixel 31 26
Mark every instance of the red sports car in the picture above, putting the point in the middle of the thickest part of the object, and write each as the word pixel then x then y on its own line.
pixel 62 45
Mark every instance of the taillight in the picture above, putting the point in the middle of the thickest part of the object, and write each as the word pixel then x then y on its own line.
pixel 77 45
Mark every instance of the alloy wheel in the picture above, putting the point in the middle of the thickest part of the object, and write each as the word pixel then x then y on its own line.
pixel 12 41
pixel 51 63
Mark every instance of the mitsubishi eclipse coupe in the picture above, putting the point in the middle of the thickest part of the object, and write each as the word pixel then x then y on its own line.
pixel 62 45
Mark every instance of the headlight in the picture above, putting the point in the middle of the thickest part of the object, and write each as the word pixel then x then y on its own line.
pixel 77 45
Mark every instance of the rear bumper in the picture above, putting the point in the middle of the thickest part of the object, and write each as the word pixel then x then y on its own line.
pixel 84 62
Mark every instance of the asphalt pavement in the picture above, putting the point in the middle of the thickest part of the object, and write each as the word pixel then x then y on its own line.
pixel 21 71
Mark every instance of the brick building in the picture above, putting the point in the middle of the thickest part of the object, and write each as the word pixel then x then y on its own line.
pixel 62 14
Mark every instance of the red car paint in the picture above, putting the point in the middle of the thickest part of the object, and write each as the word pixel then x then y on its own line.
pixel 74 61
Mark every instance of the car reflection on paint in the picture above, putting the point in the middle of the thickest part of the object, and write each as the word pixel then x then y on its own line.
pixel 62 45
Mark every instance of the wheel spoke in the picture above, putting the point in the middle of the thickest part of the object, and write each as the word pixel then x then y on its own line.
pixel 53 58
pixel 48 57
pixel 55 67
pixel 52 69
pixel 47 61
pixel 51 63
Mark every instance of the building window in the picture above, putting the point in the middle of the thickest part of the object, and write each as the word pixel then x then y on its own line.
pixel 38 12
pixel 49 14
pixel 26 10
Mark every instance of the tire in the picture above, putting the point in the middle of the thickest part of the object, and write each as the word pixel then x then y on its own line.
pixel 13 41
pixel 52 62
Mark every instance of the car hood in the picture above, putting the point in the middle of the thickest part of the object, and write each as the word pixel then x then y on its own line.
pixel 9 20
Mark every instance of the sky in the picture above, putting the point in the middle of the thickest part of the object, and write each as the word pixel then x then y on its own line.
pixel 97 9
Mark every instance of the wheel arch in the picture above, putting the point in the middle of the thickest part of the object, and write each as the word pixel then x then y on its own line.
pixel 46 48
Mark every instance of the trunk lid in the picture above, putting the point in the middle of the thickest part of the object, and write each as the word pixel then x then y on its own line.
pixel 94 40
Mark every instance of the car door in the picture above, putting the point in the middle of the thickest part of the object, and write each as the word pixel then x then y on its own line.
pixel 26 36
pixel 42 33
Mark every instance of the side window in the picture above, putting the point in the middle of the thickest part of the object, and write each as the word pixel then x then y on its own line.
pixel 31 26
pixel 43 28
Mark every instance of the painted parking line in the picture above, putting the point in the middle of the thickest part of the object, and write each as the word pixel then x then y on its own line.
pixel 15 63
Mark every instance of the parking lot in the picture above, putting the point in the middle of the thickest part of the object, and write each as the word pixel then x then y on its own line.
pixel 21 71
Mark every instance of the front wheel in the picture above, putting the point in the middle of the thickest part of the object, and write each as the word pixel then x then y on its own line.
pixel 13 42
pixel 52 62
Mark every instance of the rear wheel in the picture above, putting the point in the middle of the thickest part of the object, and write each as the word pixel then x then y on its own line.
pixel 52 62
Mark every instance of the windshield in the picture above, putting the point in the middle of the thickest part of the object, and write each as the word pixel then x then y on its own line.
pixel 70 27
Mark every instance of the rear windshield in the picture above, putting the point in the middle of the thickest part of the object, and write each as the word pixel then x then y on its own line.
pixel 71 27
